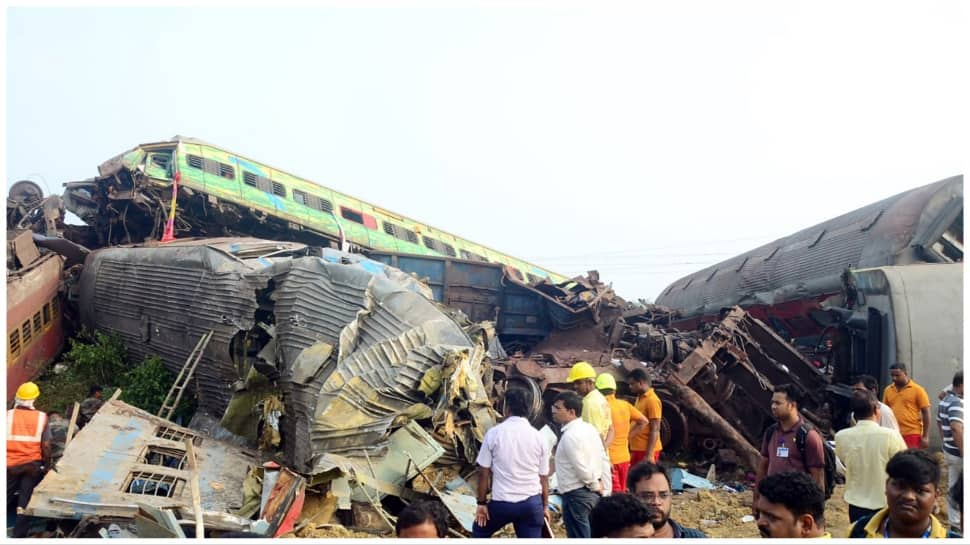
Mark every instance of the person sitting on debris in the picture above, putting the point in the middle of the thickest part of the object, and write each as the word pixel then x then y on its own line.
pixel 621 516
pixel 623 414
pixel 515 457
pixel 596 410
pixel 779 451
pixel 790 504
pixel 645 444
pixel 864 450
pixel 28 452
pixel 911 494
pixel 650 482
pixel 862 383
pixel 58 428
pixel 90 405
pixel 582 467
pixel 422 519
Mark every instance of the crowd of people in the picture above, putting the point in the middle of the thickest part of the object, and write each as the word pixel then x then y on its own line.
pixel 606 469
pixel 891 489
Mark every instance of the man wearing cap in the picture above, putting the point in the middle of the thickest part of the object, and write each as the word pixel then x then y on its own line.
pixel 28 451
pixel 596 410
pixel 623 415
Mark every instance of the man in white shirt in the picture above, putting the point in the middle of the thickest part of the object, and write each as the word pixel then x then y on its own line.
pixel 865 449
pixel 582 466
pixel 887 418
pixel 516 458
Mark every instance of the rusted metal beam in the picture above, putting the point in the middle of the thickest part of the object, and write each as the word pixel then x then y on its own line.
pixel 690 401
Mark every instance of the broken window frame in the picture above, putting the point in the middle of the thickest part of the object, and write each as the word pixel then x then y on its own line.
pixel 172 434
pixel 164 452
pixel 175 488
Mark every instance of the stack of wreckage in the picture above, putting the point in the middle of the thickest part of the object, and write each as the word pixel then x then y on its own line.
pixel 332 382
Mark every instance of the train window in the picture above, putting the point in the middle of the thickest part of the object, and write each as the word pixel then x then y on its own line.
pixel 210 166
pixel 431 243
pixel 449 249
pixel 153 484
pixel 412 237
pixel 55 306
pixel 161 160
pixel 279 189
pixel 352 215
pixel 299 197
pixel 226 171
pixel 399 232
pixel 250 179
pixel 471 256
pixel 389 228
pixel 15 341
pixel 47 313
pixel 325 206
pixel 195 162
pixel 25 332
pixel 38 325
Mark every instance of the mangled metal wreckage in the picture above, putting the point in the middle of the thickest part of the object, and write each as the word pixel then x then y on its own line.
pixel 345 342
pixel 328 360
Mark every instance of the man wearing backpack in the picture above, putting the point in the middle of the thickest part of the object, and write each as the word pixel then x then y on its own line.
pixel 790 444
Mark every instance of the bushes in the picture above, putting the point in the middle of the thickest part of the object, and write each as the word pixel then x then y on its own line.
pixel 99 358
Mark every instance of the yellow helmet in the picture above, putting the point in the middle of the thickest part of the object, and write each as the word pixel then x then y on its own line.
pixel 605 382
pixel 580 371
pixel 28 391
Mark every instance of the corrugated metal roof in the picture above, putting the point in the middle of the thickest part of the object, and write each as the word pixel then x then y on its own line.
pixel 875 235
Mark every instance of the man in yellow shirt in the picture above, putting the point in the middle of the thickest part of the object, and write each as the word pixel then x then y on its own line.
pixel 911 406
pixel 623 414
pixel 645 444
pixel 864 450
pixel 596 410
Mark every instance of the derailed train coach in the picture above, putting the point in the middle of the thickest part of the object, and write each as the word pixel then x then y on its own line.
pixel 855 294
pixel 346 342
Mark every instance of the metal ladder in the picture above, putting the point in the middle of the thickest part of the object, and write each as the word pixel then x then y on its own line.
pixel 183 377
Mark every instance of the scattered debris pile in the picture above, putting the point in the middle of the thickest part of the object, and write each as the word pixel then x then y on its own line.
pixel 346 380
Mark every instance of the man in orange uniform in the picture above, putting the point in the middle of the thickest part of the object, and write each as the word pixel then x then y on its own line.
pixel 28 451
pixel 645 445
pixel 623 414
pixel 911 406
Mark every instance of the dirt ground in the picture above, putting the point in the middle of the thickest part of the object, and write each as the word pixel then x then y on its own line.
pixel 718 513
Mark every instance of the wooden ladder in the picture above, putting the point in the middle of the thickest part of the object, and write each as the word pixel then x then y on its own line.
pixel 182 380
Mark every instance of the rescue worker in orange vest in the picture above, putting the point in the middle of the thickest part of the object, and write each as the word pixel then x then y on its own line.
pixel 28 451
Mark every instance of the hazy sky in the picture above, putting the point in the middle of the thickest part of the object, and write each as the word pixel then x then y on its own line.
pixel 646 140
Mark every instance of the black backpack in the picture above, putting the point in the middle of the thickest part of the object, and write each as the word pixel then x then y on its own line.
pixel 827 452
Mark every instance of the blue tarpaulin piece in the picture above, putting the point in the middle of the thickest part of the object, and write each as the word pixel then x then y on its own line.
pixel 680 479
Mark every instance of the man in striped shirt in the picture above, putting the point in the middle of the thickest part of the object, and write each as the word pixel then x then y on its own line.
pixel 949 418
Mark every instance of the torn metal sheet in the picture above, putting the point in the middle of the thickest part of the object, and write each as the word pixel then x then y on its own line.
pixel 462 506
pixel 125 456
pixel 410 449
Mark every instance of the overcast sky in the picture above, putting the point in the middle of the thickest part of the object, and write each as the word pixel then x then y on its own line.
pixel 646 140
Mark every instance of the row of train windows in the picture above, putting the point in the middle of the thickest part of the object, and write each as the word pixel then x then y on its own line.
pixel 20 338
pixel 318 203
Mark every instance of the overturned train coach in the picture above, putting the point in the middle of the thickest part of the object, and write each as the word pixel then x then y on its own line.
pixel 876 286
pixel 327 350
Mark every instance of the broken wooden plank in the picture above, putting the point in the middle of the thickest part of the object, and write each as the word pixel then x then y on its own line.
pixel 196 495
pixel 71 427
